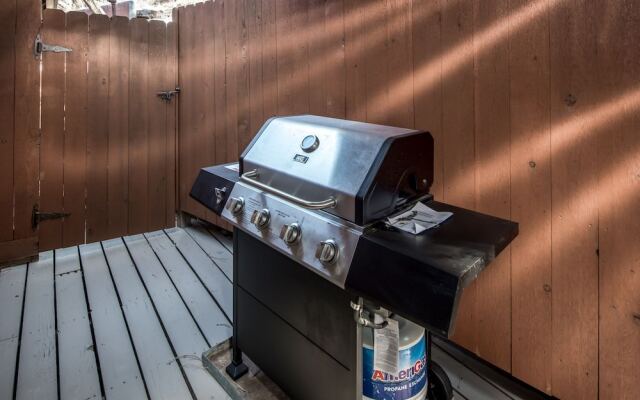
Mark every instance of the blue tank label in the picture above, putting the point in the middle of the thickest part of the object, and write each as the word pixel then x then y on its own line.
pixel 411 379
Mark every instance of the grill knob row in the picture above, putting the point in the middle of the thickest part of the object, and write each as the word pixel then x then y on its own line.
pixel 328 251
pixel 290 233
pixel 260 218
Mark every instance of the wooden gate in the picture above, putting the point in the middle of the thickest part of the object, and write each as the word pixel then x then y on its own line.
pixel 87 145
pixel 107 160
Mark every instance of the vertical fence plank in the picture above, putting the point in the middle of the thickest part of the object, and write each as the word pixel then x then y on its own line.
pixel 355 49
pixel 269 59
pixel 242 76
pixel 231 9
pixel 255 32
pixel 530 196
pixel 75 136
pixel 192 117
pixel 427 67
pixel 7 87
pixel 219 81
pixel 458 133
pixel 118 109
pixel 52 140
pixel 171 82
pixel 157 136
pixel 574 204
pixel 97 128
pixel 492 148
pixel 27 121
pixel 334 30
pixel 375 59
pixel 317 62
pixel 399 63
pixel 618 145
pixel 138 125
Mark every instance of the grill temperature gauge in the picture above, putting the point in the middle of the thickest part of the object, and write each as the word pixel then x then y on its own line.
pixel 290 233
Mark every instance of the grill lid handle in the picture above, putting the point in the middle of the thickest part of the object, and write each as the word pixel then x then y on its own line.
pixel 249 177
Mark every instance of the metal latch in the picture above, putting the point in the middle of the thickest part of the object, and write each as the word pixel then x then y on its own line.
pixel 37 216
pixel 40 47
pixel 167 95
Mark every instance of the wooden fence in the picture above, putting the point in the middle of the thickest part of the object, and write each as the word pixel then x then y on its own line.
pixel 534 106
pixel 108 141
pixel 19 119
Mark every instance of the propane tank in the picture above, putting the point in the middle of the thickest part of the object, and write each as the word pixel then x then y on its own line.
pixel 411 381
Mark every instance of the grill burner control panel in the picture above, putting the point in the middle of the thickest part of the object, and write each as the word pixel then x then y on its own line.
pixel 313 238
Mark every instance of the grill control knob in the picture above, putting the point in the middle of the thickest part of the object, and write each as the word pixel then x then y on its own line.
pixel 260 218
pixel 235 204
pixel 290 233
pixel 327 252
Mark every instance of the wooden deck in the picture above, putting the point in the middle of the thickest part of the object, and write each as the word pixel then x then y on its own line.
pixel 128 318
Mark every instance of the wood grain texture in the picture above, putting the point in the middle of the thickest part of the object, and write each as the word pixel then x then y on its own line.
pixel 12 285
pixel 184 333
pixel 427 67
pixel 171 128
pixel 459 136
pixel 52 140
pixel 13 251
pixel 118 365
pixel 37 365
pixel 27 141
pixel 574 225
pixel 492 152
pixel 355 47
pixel 375 63
pixel 75 124
pixel 616 121
pixel 201 304
pixel 78 375
pixel 530 196
pixel 164 378
pixel 157 134
pixel 98 82
pixel 138 126
pixel 118 109
pixel 7 110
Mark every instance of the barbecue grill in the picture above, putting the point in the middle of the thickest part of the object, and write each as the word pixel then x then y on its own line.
pixel 308 201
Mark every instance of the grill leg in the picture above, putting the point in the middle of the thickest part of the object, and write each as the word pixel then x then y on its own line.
pixel 237 368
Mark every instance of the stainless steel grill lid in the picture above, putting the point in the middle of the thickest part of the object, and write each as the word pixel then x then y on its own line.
pixel 358 171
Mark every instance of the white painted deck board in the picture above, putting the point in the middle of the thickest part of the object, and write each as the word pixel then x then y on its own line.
pixel 226 240
pixel 203 307
pixel 37 370
pixel 220 255
pixel 162 375
pixel 78 374
pixel 120 373
pixel 12 282
pixel 182 330
pixel 213 278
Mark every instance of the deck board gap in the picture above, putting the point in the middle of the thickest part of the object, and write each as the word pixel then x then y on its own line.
pixel 164 329
pixel 164 267
pixel 208 273
pixel 126 323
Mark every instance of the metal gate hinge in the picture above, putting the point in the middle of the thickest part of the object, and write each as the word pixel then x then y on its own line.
pixel 167 95
pixel 40 47
pixel 37 216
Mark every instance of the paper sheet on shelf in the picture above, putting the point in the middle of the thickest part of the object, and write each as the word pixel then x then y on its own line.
pixel 418 219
